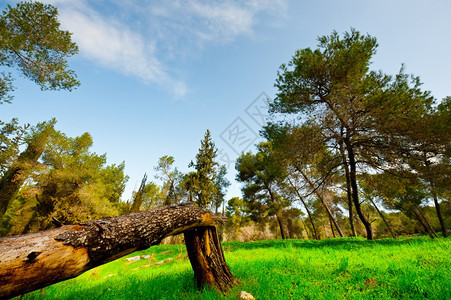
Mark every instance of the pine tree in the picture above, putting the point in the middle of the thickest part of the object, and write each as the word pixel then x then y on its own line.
pixel 202 183
pixel 365 114
pixel 18 172
pixel 33 44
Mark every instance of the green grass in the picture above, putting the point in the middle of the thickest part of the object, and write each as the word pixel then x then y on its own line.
pixel 345 268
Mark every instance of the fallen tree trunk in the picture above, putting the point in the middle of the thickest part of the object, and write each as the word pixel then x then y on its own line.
pixel 36 260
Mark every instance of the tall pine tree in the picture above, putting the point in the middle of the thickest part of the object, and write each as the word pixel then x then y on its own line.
pixel 203 182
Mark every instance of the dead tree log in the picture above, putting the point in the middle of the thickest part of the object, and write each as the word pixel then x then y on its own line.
pixel 36 260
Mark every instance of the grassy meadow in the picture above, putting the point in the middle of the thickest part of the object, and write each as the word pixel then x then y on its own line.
pixel 345 268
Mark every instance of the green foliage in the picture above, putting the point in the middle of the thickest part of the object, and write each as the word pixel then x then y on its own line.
pixel 236 207
pixel 237 213
pixel 395 192
pixel 202 181
pixel 70 184
pixel 152 196
pixel 12 136
pixel 367 120
pixel 21 167
pixel 31 42
pixel 6 87
pixel 138 196
pixel 322 76
pixel 78 185
pixel 220 186
pixel 171 177
pixel 345 268
pixel 263 175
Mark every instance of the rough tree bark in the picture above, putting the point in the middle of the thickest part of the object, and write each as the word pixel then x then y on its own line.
pixel 348 187
pixel 36 260
pixel 207 259
pixel 437 209
pixel 354 190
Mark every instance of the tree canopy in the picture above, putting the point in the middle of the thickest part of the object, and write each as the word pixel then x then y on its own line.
pixel 32 42
pixel 69 183
pixel 364 117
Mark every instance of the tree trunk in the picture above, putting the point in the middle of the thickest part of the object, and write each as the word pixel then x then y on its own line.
pixel 348 189
pixel 16 175
pixel 171 197
pixel 321 198
pixel 329 212
pixel 355 192
pixel 440 217
pixel 279 221
pixel 290 228
pixel 332 227
pixel 426 229
pixel 383 219
pixel 278 217
pixel 191 192
pixel 306 230
pixel 439 214
pixel 427 222
pixel 316 237
pixel 138 200
pixel 36 260
pixel 207 259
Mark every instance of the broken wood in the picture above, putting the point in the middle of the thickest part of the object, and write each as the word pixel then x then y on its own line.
pixel 36 260
pixel 207 259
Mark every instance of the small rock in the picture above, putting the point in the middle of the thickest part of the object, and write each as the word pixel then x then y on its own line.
pixel 146 256
pixel 142 267
pixel 163 261
pixel 134 258
pixel 245 296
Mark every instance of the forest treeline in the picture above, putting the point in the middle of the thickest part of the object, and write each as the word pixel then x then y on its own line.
pixel 362 151
pixel 348 151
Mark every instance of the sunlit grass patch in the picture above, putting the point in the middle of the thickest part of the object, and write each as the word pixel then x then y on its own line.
pixel 345 268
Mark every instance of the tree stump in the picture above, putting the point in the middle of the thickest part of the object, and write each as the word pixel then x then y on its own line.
pixel 207 258
pixel 32 261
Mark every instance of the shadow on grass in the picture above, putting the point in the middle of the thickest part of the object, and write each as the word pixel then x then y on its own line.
pixel 340 243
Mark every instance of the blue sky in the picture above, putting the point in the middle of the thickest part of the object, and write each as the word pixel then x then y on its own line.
pixel 157 74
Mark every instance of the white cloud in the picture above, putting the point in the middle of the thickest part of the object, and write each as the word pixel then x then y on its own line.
pixel 116 47
pixel 213 21
pixel 223 20
pixel 143 39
